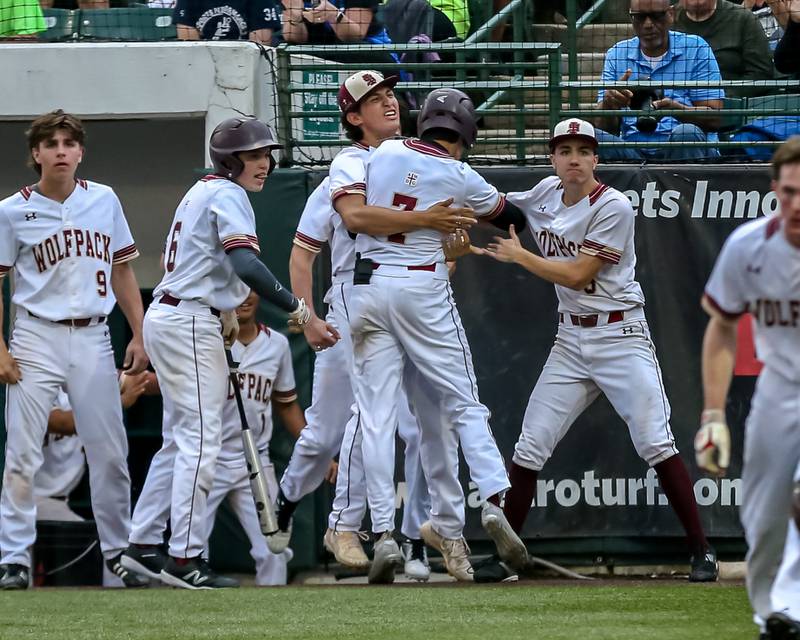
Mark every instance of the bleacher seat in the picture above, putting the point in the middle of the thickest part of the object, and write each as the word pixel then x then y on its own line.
pixel 777 101
pixel 142 24
pixel 62 24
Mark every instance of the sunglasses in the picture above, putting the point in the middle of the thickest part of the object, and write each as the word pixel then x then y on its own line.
pixel 639 17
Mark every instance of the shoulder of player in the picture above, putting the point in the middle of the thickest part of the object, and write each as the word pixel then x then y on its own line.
pixel 611 200
pixel 542 189
pixel 273 337
pixel 353 152
pixel 753 235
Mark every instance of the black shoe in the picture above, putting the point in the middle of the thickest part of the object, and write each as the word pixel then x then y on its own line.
pixel 782 627
pixel 130 579
pixel 195 574
pixel 146 560
pixel 493 569
pixel 704 566
pixel 15 576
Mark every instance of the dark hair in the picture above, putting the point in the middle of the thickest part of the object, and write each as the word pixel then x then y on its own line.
pixel 45 127
pixel 439 133
pixel 787 153
pixel 353 132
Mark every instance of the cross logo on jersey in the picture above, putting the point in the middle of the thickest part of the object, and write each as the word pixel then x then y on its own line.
pixel 411 179
pixel 30 216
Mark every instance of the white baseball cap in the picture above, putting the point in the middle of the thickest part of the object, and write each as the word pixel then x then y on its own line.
pixel 359 85
pixel 573 128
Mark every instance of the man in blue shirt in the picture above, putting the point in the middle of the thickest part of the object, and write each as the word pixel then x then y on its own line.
pixel 658 54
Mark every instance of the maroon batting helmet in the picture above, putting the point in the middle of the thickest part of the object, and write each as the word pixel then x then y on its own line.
pixel 449 109
pixel 235 135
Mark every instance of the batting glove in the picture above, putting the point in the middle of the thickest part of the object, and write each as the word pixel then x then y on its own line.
pixel 230 327
pixel 299 317
pixel 712 444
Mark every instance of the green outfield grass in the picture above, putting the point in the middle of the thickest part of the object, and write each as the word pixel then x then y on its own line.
pixel 635 611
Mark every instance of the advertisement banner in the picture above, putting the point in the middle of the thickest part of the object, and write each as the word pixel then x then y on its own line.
pixel 595 484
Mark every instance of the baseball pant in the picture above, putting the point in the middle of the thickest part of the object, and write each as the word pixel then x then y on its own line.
pixel 233 483
pixel 149 520
pixel 80 359
pixel 185 346
pixel 771 457
pixel 786 588
pixel 584 362
pixel 404 314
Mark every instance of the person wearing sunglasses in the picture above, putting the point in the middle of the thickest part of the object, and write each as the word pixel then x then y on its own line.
pixel 661 55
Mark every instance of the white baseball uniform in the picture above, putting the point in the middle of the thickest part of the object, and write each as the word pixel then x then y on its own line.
pixel 407 313
pixel 62 255
pixel 63 464
pixel 759 271
pixel 332 422
pixel 603 340
pixel 183 339
pixel 265 374
pixel 785 590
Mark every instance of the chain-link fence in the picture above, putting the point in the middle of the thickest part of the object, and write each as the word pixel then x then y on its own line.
pixel 693 80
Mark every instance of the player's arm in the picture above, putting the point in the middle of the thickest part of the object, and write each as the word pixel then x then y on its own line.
pixel 129 298
pixel 359 217
pixel 61 423
pixel 510 215
pixel 318 333
pixel 9 370
pixel 291 415
pixel 260 279
pixel 576 274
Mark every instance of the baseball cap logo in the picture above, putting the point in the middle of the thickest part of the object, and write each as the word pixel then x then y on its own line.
pixel 369 79
pixel 574 127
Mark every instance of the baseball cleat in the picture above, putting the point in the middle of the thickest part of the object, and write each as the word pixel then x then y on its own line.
pixel 509 546
pixel 15 577
pixel 195 574
pixel 493 569
pixel 279 541
pixel 416 565
pixel 705 567
pixel 454 551
pixel 131 579
pixel 346 548
pixel 385 561
pixel 146 560
pixel 782 627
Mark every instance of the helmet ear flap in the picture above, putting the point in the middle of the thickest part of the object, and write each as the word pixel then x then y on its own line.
pixel 272 164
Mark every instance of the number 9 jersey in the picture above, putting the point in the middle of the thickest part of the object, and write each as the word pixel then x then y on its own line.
pixel 62 252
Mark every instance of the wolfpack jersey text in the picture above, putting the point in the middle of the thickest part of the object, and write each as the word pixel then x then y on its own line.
pixel 600 225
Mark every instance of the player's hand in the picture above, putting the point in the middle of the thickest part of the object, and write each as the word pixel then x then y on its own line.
pixel 230 327
pixel 618 98
pixel 299 317
pixel 9 370
pixel 446 219
pixel 668 103
pixel 712 444
pixel 332 472
pixel 502 249
pixel 131 387
pixel 320 335
pixel 455 245
pixel 136 359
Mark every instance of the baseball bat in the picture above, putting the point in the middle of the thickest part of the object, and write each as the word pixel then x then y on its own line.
pixel 258 481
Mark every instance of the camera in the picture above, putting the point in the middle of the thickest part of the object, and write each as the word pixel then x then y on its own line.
pixel 642 100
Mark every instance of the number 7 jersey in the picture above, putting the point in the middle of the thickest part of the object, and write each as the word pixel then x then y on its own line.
pixel 600 225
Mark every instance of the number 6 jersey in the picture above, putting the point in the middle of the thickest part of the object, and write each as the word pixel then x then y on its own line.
pixel 62 252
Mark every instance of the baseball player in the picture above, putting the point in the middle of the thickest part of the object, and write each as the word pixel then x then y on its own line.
pixel 266 379
pixel 211 264
pixel 585 230
pixel 402 308
pixel 370 114
pixel 70 248
pixel 758 271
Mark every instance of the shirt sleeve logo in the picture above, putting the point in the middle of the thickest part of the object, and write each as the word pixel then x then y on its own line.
pixel 411 179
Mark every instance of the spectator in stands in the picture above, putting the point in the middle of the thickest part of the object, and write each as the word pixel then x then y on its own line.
pixel 787 53
pixel 450 19
pixel 255 20
pixel 658 54
pixel 21 19
pixel 736 38
pixel 337 22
